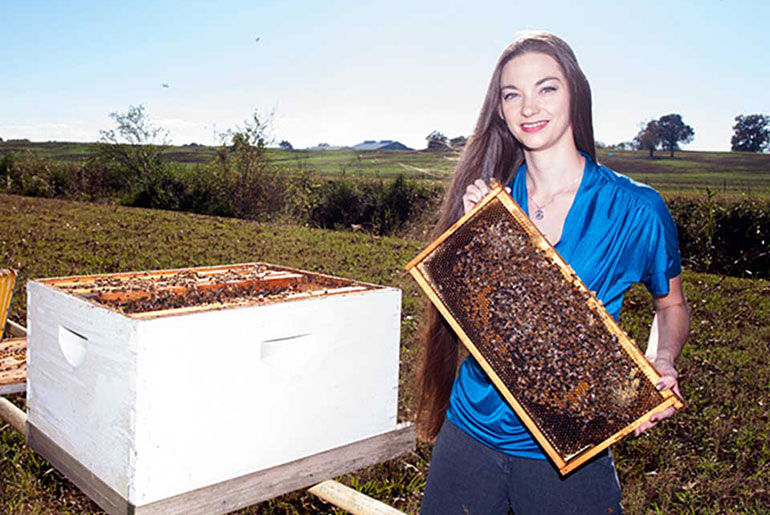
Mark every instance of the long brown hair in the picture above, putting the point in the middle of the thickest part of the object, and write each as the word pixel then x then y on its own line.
pixel 491 152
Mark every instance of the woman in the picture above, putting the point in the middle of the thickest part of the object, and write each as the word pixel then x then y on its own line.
pixel 535 134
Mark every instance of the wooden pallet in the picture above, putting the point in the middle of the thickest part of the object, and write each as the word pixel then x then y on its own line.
pixel 417 268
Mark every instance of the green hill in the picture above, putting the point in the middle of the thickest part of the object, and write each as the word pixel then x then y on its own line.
pixel 726 172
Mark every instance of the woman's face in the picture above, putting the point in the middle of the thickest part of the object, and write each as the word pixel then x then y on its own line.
pixel 535 102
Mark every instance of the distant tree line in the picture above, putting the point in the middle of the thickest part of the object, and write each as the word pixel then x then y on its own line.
pixel 751 133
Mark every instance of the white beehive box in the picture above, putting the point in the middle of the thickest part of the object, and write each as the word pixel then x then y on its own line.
pixel 154 403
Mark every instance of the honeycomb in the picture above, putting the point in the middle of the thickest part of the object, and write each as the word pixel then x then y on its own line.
pixel 144 293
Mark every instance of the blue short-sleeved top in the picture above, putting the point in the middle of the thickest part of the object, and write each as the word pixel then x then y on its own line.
pixel 616 233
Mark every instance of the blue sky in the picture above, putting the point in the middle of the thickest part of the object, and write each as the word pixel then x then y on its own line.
pixel 344 71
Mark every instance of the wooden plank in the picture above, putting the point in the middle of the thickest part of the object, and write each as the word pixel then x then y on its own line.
pixel 16 330
pixel 13 365
pixel 13 415
pixel 108 499
pixel 351 500
pixel 75 279
pixel 10 388
pixel 242 491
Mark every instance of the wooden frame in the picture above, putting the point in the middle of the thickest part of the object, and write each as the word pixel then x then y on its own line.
pixel 565 464
pixel 239 492
pixel 13 365
pixel 7 283
pixel 280 276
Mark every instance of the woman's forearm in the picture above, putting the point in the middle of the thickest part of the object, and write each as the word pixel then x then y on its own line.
pixel 673 329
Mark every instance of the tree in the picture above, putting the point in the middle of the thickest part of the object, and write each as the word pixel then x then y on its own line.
pixel 647 138
pixel 134 147
pixel 672 130
pixel 437 140
pixel 752 133
pixel 253 187
pixel 285 145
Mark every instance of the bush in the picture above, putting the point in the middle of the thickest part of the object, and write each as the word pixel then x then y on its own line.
pixel 378 206
pixel 723 236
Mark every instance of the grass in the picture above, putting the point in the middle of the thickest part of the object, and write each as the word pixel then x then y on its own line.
pixel 687 172
pixel 714 457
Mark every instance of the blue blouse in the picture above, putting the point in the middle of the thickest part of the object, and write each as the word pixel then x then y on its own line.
pixel 616 233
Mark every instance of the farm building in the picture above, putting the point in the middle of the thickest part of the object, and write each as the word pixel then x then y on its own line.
pixel 385 144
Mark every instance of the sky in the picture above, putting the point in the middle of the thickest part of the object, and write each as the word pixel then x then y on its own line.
pixel 341 72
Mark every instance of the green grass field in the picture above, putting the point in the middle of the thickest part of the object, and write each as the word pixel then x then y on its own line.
pixel 714 457
pixel 687 172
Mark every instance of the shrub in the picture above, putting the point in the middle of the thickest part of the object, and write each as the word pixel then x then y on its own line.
pixel 378 206
pixel 724 236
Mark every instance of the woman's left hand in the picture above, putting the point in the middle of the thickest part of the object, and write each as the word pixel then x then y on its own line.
pixel 669 379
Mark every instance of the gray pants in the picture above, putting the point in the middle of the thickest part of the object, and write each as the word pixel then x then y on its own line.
pixel 467 477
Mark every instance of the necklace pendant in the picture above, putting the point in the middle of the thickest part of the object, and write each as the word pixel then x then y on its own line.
pixel 539 214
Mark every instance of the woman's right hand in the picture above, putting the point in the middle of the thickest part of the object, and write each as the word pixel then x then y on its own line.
pixel 473 193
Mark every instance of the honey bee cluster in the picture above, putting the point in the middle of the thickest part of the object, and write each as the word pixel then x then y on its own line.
pixel 11 357
pixel 535 326
pixel 144 293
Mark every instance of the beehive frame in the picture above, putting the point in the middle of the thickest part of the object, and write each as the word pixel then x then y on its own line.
pixel 115 292
pixel 564 462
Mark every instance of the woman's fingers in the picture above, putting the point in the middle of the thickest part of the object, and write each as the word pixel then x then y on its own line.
pixel 482 187
pixel 666 381
pixel 474 193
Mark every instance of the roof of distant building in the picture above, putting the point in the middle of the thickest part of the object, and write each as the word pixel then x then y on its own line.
pixel 386 144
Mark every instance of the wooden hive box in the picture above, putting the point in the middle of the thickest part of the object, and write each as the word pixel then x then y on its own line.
pixel 149 385
pixel 558 358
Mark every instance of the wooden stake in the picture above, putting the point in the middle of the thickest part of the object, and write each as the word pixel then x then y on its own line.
pixel 13 415
pixel 351 500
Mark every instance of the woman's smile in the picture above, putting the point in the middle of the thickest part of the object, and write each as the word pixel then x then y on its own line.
pixel 533 126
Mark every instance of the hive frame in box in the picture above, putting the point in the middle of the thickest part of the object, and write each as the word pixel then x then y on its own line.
pixel 13 352
pixel 236 491
pixel 565 464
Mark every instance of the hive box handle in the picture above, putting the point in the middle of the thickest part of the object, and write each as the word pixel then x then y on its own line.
pixel 72 345
pixel 292 355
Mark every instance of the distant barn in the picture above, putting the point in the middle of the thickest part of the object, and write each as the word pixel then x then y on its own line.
pixel 386 144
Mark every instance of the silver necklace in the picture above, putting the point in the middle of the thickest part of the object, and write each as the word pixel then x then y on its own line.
pixel 539 213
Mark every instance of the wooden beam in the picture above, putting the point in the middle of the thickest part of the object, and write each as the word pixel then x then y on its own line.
pixel 351 500
pixel 13 415
pixel 15 329
pixel 241 491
